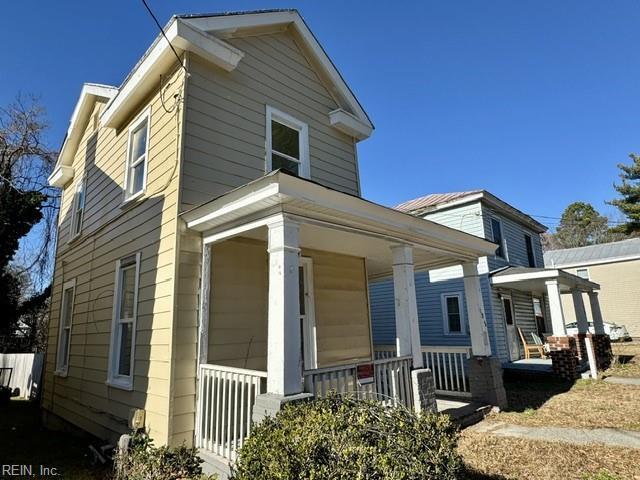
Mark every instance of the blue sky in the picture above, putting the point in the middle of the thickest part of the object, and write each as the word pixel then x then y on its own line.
pixel 535 101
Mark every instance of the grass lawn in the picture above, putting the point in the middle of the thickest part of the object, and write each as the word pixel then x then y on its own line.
pixel 626 360
pixel 585 404
pixel 23 441
pixel 490 457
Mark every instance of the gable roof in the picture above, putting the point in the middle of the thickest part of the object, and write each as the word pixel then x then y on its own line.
pixel 434 202
pixel 90 92
pixel 602 253
pixel 204 35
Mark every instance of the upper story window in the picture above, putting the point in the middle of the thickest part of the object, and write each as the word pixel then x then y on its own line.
pixel 583 273
pixel 287 143
pixel 77 213
pixel 531 258
pixel 137 153
pixel 123 328
pixel 452 314
pixel 64 327
pixel 496 232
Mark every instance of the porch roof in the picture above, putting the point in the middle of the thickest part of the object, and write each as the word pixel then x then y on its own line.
pixel 357 219
pixel 533 279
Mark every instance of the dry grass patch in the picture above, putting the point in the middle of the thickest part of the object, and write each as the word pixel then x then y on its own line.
pixel 626 360
pixel 586 404
pixel 491 457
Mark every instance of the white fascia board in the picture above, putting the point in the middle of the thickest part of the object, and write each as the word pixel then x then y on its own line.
pixel 60 176
pixel 453 203
pixel 522 277
pixel 266 19
pixel 159 58
pixel 349 124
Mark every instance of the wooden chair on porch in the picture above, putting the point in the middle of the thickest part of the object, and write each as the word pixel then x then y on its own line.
pixel 530 348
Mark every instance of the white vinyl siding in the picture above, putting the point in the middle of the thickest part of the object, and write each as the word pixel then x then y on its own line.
pixel 287 143
pixel 137 148
pixel 66 321
pixel 123 329
pixel 453 314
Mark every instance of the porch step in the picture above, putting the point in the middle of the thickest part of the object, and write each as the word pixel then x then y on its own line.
pixel 463 413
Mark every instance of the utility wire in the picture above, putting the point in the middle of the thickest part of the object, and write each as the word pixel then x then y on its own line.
pixel 146 5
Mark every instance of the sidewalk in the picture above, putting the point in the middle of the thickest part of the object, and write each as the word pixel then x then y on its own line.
pixel 580 436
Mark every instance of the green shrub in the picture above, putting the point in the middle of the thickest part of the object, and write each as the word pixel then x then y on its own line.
pixel 144 461
pixel 344 438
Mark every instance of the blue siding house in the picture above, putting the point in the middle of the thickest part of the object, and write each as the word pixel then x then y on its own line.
pixel 441 295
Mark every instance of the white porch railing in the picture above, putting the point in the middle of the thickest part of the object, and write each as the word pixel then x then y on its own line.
pixel 390 384
pixel 226 396
pixel 448 365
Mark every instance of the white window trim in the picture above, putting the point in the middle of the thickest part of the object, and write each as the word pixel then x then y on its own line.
pixel 64 370
pixel 504 238
pixel 310 335
pixel 587 270
pixel 445 313
pixel 146 115
pixel 291 122
pixel 81 184
pixel 114 379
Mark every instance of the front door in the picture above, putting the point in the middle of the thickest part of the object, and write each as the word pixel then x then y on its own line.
pixel 539 314
pixel 510 324
pixel 307 315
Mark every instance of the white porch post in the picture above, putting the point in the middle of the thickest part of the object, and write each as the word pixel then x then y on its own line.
pixel 555 306
pixel 581 313
pixel 284 370
pixel 406 306
pixel 596 313
pixel 480 345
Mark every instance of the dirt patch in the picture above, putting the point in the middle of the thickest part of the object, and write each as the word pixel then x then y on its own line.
pixel 490 457
pixel 586 404
pixel 626 360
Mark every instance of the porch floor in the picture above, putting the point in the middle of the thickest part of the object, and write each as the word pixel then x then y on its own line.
pixel 530 365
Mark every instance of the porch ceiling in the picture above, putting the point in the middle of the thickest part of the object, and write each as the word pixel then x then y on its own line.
pixel 534 280
pixel 333 221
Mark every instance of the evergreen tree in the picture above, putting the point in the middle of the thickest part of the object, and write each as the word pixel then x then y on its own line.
pixel 581 225
pixel 629 190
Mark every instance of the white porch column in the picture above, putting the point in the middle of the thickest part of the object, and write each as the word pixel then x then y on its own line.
pixel 555 306
pixel 596 313
pixel 480 345
pixel 581 313
pixel 284 370
pixel 404 288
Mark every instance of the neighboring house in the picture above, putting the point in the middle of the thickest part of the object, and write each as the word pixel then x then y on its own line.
pixel 514 283
pixel 616 267
pixel 213 246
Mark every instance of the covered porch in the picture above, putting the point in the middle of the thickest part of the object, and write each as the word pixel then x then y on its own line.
pixel 560 353
pixel 284 311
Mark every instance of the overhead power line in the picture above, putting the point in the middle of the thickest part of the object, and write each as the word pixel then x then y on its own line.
pixel 146 5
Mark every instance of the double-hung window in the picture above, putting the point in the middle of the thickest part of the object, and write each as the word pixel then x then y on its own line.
pixel 453 314
pixel 496 232
pixel 137 153
pixel 64 333
pixel 123 329
pixel 531 258
pixel 287 143
pixel 78 208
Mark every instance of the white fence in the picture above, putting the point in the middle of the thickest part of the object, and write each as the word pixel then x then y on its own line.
pixel 226 396
pixel 388 382
pixel 26 372
pixel 448 365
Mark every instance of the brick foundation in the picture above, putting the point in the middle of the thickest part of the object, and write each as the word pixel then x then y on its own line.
pixel 424 390
pixel 564 356
pixel 581 346
pixel 485 381
pixel 602 349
